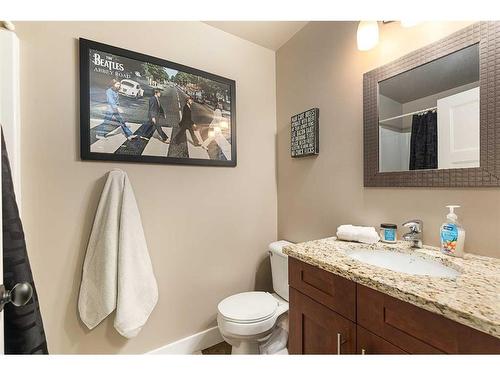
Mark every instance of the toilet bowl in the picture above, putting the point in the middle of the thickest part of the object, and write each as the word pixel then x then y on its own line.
pixel 246 320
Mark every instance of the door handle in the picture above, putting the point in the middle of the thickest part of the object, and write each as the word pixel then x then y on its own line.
pixel 20 295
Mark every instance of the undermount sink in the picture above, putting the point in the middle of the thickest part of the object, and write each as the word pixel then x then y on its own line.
pixel 402 262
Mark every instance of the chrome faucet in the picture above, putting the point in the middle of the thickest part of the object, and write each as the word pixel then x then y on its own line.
pixel 415 234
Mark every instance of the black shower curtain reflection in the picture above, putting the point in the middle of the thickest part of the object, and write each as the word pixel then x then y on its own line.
pixel 423 143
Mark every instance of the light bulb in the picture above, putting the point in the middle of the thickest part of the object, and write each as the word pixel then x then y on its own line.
pixel 367 35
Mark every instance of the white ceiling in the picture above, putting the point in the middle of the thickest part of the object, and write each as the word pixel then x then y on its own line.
pixel 269 34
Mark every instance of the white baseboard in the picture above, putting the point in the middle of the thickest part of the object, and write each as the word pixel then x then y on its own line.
pixel 191 344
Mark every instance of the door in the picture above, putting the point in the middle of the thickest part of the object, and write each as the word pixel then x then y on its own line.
pixel 9 119
pixel 315 329
pixel 458 130
pixel 1 267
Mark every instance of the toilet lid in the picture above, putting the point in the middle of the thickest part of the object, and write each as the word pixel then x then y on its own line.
pixel 248 307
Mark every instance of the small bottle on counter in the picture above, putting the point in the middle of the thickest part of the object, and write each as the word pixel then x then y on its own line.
pixel 388 232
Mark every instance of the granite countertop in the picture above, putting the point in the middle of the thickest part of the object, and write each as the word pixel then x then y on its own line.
pixel 472 298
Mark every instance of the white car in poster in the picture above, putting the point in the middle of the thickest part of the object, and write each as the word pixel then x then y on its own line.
pixel 131 89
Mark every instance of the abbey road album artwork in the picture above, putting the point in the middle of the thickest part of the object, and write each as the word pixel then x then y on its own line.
pixel 140 108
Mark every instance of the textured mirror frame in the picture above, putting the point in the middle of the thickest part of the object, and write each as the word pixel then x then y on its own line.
pixel 487 34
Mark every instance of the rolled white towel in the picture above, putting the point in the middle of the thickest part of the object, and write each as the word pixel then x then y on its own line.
pixel 359 234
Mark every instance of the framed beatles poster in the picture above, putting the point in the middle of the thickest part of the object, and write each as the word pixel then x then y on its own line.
pixel 139 108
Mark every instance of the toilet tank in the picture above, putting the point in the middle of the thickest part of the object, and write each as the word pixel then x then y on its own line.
pixel 279 268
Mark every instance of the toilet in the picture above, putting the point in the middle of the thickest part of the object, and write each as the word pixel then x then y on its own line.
pixel 246 320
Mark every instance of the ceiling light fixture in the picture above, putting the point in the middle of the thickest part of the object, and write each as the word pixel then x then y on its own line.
pixel 367 35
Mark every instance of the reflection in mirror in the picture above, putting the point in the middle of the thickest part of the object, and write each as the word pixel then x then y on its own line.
pixel 429 116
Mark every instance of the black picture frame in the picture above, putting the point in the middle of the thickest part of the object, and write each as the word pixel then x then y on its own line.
pixel 307 142
pixel 85 46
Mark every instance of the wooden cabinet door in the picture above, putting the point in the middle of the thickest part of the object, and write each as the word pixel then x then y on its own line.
pixel 369 343
pixel 418 331
pixel 315 329
pixel 332 291
pixel 409 327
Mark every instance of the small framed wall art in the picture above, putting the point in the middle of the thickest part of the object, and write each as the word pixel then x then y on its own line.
pixel 305 133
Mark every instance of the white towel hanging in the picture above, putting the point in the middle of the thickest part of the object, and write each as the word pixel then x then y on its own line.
pixel 117 272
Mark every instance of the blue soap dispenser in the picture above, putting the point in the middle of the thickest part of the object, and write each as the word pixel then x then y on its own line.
pixel 452 235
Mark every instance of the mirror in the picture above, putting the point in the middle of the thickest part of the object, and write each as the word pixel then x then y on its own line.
pixel 428 117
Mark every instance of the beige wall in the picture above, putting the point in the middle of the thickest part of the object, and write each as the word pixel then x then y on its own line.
pixel 321 67
pixel 207 228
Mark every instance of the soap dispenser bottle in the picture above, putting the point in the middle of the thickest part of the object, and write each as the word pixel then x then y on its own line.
pixel 452 235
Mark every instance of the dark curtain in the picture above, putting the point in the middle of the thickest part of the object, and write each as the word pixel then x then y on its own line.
pixel 423 143
pixel 23 325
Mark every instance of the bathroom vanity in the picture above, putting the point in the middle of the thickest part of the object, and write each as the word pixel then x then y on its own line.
pixel 342 304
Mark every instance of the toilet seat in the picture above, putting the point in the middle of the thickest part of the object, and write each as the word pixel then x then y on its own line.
pixel 248 307
pixel 247 320
pixel 257 324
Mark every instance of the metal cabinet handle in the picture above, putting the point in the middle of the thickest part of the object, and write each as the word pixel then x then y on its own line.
pixel 339 342
pixel 363 351
pixel 18 296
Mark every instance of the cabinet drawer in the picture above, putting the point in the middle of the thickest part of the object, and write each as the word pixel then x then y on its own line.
pixel 369 343
pixel 315 329
pixel 402 325
pixel 335 292
pixel 416 330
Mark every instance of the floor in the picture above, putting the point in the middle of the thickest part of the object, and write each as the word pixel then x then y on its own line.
pixel 221 348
